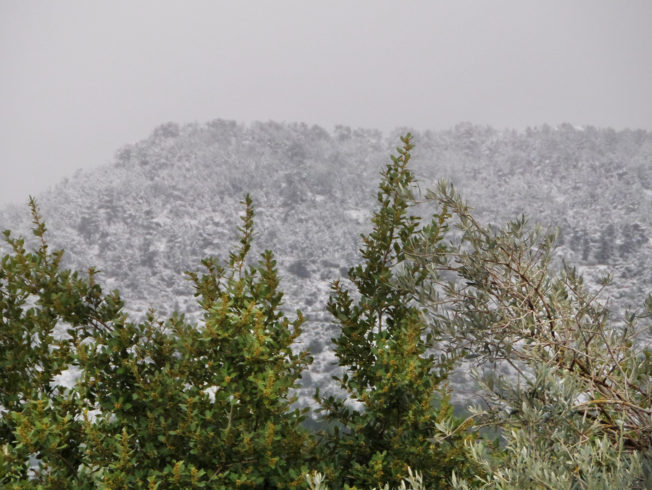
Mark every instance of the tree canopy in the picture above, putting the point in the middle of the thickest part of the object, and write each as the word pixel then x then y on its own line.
pixel 565 389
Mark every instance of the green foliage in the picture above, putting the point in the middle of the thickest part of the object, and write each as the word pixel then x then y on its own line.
pixel 383 346
pixel 37 418
pixel 172 404
pixel 164 404
pixel 550 445
pixel 413 481
pixel 575 411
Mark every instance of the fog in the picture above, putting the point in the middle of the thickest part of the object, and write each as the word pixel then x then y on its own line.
pixel 80 79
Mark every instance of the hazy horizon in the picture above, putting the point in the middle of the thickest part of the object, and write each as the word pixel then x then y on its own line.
pixel 81 79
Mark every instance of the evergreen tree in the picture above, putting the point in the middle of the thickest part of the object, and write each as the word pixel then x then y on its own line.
pixel 44 313
pixel 174 404
pixel 606 244
pixel 165 404
pixel 208 404
pixel 390 377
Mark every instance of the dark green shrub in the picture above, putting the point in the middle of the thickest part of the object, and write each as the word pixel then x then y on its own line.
pixel 395 383
pixel 164 404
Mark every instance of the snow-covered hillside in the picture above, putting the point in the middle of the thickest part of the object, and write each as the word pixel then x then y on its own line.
pixel 174 198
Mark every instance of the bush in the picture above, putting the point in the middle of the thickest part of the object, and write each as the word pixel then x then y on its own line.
pixel 383 344
pixel 576 411
pixel 170 404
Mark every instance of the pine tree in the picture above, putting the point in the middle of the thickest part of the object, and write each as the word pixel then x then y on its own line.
pixel 389 374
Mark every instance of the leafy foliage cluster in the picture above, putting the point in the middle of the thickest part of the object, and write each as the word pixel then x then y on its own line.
pixel 171 404
pixel 164 404
pixel 384 347
pixel 576 411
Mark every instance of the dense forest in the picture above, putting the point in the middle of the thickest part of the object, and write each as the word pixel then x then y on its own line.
pixel 170 200
pixel 429 286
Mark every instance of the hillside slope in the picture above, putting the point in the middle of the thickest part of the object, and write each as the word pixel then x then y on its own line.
pixel 173 198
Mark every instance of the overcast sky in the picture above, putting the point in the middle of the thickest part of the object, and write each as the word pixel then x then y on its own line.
pixel 79 79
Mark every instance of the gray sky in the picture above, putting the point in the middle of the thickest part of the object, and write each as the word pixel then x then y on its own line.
pixel 78 79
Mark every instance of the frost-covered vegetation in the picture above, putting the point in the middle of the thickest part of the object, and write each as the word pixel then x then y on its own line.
pixel 209 400
pixel 170 200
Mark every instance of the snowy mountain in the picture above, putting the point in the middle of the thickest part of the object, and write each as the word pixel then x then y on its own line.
pixel 173 198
